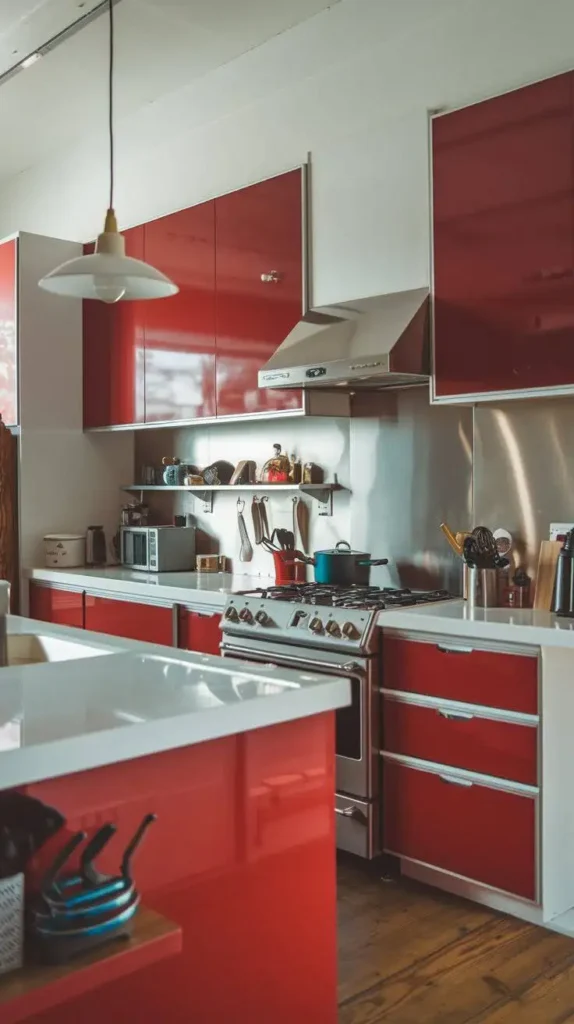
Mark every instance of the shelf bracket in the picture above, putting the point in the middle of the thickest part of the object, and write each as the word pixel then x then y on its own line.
pixel 206 499
pixel 324 497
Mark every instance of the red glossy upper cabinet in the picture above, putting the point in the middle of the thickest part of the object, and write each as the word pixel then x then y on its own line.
pixel 8 351
pixel 114 371
pixel 503 230
pixel 180 330
pixel 259 289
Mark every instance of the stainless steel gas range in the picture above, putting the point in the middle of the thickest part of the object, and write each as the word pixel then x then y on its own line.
pixel 332 630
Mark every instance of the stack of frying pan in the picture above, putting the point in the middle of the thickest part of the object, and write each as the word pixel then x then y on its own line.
pixel 77 912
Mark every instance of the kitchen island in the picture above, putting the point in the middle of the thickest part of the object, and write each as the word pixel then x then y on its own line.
pixel 237 762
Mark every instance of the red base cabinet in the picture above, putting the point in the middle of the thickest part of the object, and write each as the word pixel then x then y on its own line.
pixel 490 678
pixel 241 857
pixel 135 621
pixel 482 834
pixel 503 234
pixel 199 631
pixel 64 607
pixel 462 740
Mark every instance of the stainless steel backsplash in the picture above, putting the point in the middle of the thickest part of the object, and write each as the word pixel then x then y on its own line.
pixel 524 469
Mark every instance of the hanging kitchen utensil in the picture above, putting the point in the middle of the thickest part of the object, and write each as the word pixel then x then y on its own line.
pixel 303 524
pixel 256 517
pixel 263 513
pixel 246 550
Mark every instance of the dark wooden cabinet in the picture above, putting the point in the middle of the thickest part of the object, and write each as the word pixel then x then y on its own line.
pixel 130 619
pixel 180 331
pixel 114 370
pixel 8 341
pixel 199 631
pixel 53 604
pixel 503 240
pixel 259 275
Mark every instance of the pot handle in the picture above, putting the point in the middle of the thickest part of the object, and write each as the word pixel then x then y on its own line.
pixel 375 561
pixel 342 544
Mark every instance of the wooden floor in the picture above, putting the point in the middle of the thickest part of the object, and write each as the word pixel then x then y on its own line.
pixel 413 955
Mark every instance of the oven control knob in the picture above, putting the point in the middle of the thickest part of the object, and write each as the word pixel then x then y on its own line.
pixel 262 618
pixel 333 628
pixel 246 616
pixel 231 614
pixel 351 631
pixel 315 625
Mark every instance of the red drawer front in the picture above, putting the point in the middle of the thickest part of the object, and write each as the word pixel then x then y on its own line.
pixel 199 632
pixel 479 833
pixel 507 681
pixel 129 619
pixel 501 749
pixel 64 607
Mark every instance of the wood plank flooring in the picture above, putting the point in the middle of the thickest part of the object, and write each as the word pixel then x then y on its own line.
pixel 409 954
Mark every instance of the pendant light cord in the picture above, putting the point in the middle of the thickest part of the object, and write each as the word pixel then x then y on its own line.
pixel 111 102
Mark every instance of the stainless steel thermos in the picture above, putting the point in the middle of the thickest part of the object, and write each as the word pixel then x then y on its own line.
pixel 564 587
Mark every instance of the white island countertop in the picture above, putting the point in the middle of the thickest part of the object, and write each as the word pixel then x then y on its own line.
pixel 505 625
pixel 131 699
pixel 204 589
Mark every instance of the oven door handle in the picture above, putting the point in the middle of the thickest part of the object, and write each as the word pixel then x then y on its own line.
pixel 353 668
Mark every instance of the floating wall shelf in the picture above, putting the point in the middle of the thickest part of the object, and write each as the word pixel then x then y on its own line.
pixel 322 493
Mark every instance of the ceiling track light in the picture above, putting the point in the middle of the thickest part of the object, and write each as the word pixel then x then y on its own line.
pixel 108 274
pixel 61 37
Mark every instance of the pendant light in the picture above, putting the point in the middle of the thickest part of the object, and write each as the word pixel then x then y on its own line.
pixel 108 274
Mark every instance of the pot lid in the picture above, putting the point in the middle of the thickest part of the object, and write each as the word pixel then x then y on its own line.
pixel 343 548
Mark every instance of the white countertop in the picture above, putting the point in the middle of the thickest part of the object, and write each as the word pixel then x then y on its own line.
pixel 137 699
pixel 193 588
pixel 506 625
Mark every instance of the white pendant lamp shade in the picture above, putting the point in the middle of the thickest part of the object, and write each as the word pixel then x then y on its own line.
pixel 108 274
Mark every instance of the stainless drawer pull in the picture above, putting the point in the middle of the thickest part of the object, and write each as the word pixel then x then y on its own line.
pixel 452 716
pixel 453 781
pixel 454 650
pixel 352 812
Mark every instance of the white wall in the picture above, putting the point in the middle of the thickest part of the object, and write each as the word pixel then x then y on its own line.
pixel 324 441
pixel 352 87
pixel 67 479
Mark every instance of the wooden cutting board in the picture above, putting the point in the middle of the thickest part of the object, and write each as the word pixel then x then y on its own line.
pixel 546 575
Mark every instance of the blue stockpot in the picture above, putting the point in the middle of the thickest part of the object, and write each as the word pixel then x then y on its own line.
pixel 343 566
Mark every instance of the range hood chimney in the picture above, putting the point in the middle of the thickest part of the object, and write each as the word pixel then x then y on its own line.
pixel 373 343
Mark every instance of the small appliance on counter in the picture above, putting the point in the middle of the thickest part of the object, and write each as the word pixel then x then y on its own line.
pixel 564 586
pixel 158 548
pixel 96 547
pixel 65 550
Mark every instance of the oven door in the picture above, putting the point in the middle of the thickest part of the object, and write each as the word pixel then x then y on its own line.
pixel 357 740
pixel 135 548
pixel 357 764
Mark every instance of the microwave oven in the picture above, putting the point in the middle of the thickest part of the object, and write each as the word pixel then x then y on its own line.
pixel 158 548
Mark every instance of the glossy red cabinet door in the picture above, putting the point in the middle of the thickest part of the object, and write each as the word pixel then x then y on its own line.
pixel 461 740
pixel 258 231
pixel 114 354
pixel 496 680
pixel 483 834
pixel 127 618
pixel 65 607
pixel 180 330
pixel 8 344
pixel 199 632
pixel 503 232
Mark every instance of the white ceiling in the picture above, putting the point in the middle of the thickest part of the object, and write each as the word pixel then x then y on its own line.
pixel 161 45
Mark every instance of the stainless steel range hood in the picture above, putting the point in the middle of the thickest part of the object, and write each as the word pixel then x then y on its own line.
pixel 377 342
